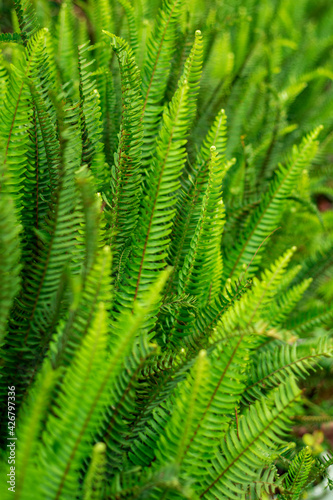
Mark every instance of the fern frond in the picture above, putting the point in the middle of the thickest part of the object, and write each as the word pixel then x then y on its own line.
pixel 96 288
pixel 150 239
pixel 268 482
pixel 224 387
pixel 126 171
pixel 91 126
pixel 15 122
pixel 43 167
pixel 27 19
pixel 259 432
pixel 10 37
pixel 132 29
pixel 31 424
pixel 171 303
pixel 298 473
pixel 93 484
pixel 205 252
pixel 203 257
pixel 272 367
pixel 216 407
pixel 9 261
pixel 209 317
pixel 87 383
pixel 3 82
pixel 281 309
pixel 79 386
pixel 307 321
pixel 165 483
pixel 160 49
pixel 190 200
pixel 34 318
pixel 102 19
pixel 267 216
pixel 248 310
pixel 110 115
pixel 192 73
pixel 316 266
pixel 93 225
pixel 116 427
pixel 65 35
pixel 189 400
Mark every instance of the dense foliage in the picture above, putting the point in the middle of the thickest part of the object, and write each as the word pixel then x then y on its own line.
pixel 166 248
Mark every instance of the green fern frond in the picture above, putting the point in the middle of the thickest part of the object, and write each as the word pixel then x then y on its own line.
pixel 209 317
pixel 10 37
pixel 191 197
pixel 160 49
pixel 266 217
pixel 93 226
pixel 78 385
pixel 34 320
pixel 27 19
pixel 43 167
pixel 94 289
pixel 116 427
pixel 87 385
pixel 268 483
pixel 65 45
pixel 223 389
pixel 91 126
pixel 3 82
pixel 254 442
pixel 9 261
pixel 317 266
pixel 285 304
pixel 173 444
pixel 298 473
pixel 30 429
pixel 132 29
pixel 101 16
pixel 272 367
pixel 93 484
pixel 192 73
pixel 208 257
pixel 126 171
pixel 308 321
pixel 15 122
pixel 150 239
pixel 248 310
pixel 204 255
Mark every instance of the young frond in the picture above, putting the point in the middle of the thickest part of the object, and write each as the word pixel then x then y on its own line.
pixel 298 473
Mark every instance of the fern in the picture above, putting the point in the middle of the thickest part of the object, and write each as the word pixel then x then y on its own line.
pixel 259 429
pixel 298 473
pixel 163 335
